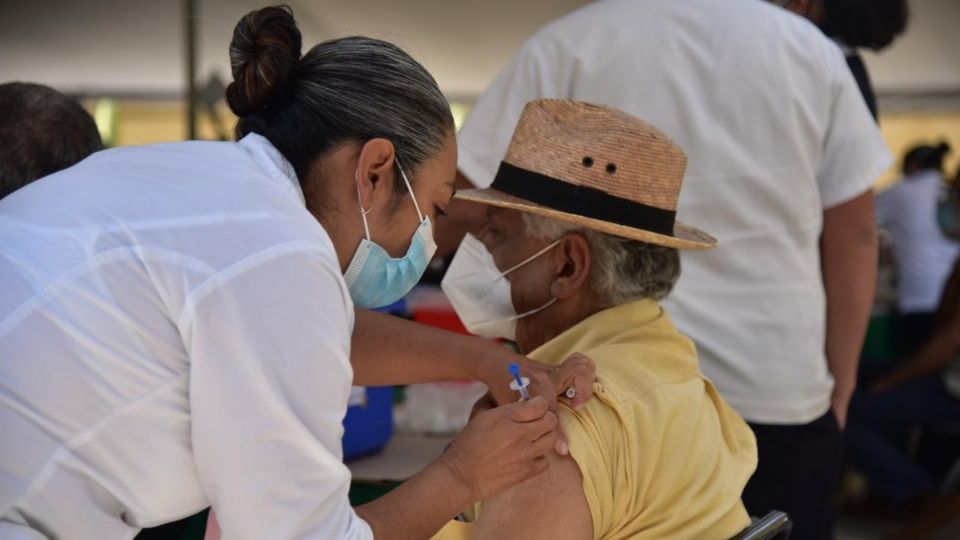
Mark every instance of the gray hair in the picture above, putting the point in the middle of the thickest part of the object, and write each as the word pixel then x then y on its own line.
pixel 349 89
pixel 623 270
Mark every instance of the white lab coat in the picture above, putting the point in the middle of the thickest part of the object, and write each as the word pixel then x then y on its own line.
pixel 174 334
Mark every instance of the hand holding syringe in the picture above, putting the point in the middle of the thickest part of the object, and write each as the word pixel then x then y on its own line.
pixel 520 384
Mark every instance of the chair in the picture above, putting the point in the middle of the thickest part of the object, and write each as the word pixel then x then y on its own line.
pixel 774 526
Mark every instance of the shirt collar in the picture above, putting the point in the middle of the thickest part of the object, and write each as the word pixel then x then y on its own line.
pixel 599 328
pixel 273 164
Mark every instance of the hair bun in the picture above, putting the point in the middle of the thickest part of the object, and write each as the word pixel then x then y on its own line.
pixel 943 148
pixel 264 54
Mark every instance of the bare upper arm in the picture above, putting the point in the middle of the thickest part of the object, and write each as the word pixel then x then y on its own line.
pixel 852 221
pixel 549 506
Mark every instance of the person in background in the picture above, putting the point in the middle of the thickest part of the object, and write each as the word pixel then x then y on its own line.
pixel 41 132
pixel 924 390
pixel 948 209
pixel 924 255
pixel 783 154
pixel 856 24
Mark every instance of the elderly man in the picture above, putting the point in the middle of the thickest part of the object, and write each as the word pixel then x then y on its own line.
pixel 580 221
pixel 783 153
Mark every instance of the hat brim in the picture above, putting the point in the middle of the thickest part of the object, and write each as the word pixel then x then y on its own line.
pixel 684 236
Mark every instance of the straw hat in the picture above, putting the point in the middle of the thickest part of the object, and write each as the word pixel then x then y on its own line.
pixel 597 167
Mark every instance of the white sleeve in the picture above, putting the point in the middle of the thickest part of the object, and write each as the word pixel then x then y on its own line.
pixel 854 153
pixel 483 140
pixel 269 346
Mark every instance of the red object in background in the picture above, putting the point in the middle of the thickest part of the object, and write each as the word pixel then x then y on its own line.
pixel 447 320
pixel 428 305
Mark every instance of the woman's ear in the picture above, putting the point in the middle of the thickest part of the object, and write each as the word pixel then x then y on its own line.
pixel 572 263
pixel 375 172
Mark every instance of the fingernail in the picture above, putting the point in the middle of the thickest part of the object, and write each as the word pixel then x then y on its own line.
pixel 564 449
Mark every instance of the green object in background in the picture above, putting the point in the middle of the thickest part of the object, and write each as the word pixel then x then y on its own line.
pixel 191 528
pixel 879 347
pixel 364 492
pixel 106 114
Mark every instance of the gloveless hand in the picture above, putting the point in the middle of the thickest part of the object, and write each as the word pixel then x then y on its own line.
pixel 502 447
pixel 550 382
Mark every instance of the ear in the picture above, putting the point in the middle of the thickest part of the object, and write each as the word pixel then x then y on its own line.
pixel 375 172
pixel 572 263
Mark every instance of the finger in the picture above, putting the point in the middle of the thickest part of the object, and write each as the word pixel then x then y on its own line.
pixel 539 465
pixel 485 403
pixel 562 446
pixel 527 411
pixel 579 373
pixel 541 384
pixel 537 429
pixel 546 443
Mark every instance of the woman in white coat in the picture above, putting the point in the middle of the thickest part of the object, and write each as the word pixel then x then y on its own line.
pixel 180 323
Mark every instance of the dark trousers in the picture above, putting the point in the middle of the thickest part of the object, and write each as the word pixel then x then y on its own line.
pixel 878 427
pixel 797 472
pixel 912 330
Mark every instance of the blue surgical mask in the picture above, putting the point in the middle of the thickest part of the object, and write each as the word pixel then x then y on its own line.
pixel 376 279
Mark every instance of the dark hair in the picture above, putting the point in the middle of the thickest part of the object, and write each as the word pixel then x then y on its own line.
pixel 41 132
pixel 353 88
pixel 865 23
pixel 924 157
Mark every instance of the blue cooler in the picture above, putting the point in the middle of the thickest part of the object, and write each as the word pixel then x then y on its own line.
pixel 368 424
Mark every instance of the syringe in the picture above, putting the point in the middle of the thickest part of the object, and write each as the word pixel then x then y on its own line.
pixel 519 383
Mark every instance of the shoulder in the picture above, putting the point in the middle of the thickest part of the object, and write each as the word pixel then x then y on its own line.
pixel 645 379
pixel 191 151
pixel 631 366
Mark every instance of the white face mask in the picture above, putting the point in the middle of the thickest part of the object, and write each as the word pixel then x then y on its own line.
pixel 480 293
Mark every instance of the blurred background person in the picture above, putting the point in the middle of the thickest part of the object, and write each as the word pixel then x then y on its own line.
pixel 853 25
pixel 783 154
pixel 922 391
pixel 924 254
pixel 948 209
pixel 41 132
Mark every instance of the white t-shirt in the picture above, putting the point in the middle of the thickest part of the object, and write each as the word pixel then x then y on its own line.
pixel 925 256
pixel 775 130
pixel 174 334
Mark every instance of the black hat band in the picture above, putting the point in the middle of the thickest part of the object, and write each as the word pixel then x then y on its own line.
pixel 582 200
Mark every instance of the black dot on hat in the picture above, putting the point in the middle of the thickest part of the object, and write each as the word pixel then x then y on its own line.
pixel 588 161
pixel 611 168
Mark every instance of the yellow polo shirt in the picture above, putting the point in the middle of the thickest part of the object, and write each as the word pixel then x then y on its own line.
pixel 661 453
